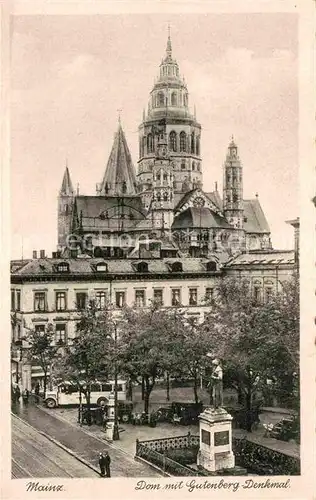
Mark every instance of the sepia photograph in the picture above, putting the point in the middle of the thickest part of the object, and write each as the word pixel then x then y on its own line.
pixel 155 248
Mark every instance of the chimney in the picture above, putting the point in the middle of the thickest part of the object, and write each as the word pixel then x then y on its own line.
pixel 42 254
pixel 34 254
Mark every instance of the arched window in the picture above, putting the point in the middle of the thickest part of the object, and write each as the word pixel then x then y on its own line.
pixel 183 141
pixel 165 196
pixel 198 146
pixel 173 141
pixel 150 143
pixel 211 266
pixel 161 99
pixel 173 99
pixel 185 99
pixel 142 267
pixel 183 165
pixel 165 177
pixel 193 165
pixel 158 196
pixel 192 143
pixel 198 166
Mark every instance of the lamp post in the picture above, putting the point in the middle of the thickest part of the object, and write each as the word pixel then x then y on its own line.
pixel 116 435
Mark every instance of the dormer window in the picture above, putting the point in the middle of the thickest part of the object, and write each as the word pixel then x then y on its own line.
pixel 101 267
pixel 211 266
pixel 176 267
pixel 63 267
pixel 142 267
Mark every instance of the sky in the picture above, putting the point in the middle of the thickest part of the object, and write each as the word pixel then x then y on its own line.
pixel 71 74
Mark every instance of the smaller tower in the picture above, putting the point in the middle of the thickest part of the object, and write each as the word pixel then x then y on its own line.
pixel 162 203
pixel 65 209
pixel 233 187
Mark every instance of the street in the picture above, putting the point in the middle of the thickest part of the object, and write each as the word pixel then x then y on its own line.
pixel 82 444
pixel 33 455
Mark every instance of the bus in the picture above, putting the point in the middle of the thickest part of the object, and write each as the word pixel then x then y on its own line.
pixel 67 393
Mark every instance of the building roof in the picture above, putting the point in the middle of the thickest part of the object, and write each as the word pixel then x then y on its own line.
pixel 87 267
pixel 66 185
pixel 263 257
pixel 256 221
pixel 199 218
pixel 120 175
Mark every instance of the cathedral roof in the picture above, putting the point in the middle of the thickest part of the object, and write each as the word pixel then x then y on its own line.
pixel 66 186
pixel 254 218
pixel 102 212
pixel 200 218
pixel 120 175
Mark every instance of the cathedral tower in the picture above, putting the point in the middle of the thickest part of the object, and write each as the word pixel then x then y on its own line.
pixel 233 187
pixel 162 202
pixel 65 209
pixel 168 113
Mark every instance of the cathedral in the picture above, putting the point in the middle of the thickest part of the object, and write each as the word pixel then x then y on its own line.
pixel 160 210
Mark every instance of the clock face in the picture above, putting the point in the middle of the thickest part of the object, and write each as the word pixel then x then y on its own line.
pixel 198 202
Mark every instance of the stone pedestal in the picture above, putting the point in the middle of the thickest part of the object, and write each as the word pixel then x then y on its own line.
pixel 109 430
pixel 215 451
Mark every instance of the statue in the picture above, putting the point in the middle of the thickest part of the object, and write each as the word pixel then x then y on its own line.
pixel 216 383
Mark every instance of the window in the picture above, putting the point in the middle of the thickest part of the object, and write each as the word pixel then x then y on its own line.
pixel 192 143
pixel 60 333
pixel 12 300
pixel 63 267
pixel 100 299
pixel 142 267
pixel 101 267
pixel 175 296
pixel 81 300
pixel 183 141
pixel 40 329
pixel 209 294
pixel 176 267
pixel 120 299
pixel 150 143
pixel 173 141
pixel 268 293
pixel 192 296
pixel 158 297
pixel 140 298
pixel 257 294
pixel 198 146
pixel 18 300
pixel 18 331
pixel 61 301
pixel 173 99
pixel 193 165
pixel 39 301
pixel 183 165
pixel 211 266
pixel 161 99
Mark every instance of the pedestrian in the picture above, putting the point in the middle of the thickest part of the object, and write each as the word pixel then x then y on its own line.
pixel 102 464
pixel 25 396
pixel 37 390
pixel 107 460
pixel 17 392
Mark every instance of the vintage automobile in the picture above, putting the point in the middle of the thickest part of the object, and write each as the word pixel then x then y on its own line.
pixel 142 418
pixel 186 413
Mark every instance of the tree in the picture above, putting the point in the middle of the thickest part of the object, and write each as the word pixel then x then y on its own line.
pixel 42 349
pixel 190 345
pixel 145 345
pixel 256 341
pixel 90 355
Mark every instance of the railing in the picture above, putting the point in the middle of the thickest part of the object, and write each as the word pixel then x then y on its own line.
pixel 175 442
pixel 262 460
pixel 164 463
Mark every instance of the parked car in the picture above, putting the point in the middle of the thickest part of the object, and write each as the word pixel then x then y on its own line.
pixel 164 414
pixel 125 411
pixel 142 418
pixel 286 429
pixel 186 413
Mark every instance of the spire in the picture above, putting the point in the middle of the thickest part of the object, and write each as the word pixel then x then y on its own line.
pixel 66 186
pixel 169 46
pixel 120 176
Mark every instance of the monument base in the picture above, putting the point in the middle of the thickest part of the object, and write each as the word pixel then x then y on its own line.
pixel 215 451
